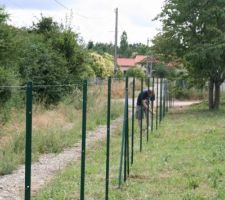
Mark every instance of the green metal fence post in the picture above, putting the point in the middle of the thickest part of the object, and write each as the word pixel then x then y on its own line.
pixel 83 145
pixel 127 128
pixel 170 95
pixel 126 131
pixel 141 116
pixel 122 150
pixel 161 114
pixel 132 135
pixel 164 98
pixel 28 147
pixel 157 103
pixel 108 140
pixel 152 104
pixel 167 96
pixel 148 113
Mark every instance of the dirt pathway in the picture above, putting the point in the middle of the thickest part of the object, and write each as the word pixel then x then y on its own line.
pixel 12 186
pixel 184 103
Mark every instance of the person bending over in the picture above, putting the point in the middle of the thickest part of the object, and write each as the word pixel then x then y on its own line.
pixel 144 99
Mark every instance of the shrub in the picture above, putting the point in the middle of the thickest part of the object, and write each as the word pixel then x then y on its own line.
pixel 101 64
pixel 135 72
pixel 5 93
pixel 118 74
pixel 189 94
pixel 44 66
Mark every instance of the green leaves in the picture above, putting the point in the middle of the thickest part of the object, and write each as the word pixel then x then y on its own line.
pixel 135 72
pixel 3 15
pixel 43 66
pixel 194 31
pixel 101 64
pixel 5 93
pixel 124 47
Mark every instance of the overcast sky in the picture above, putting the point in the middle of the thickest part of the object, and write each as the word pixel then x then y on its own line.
pixel 93 19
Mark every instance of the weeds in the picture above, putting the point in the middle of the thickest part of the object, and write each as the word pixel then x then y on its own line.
pixel 53 128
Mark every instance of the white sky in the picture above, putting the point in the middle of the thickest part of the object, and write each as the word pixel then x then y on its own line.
pixel 93 19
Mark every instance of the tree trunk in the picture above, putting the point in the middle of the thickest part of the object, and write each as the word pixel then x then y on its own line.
pixel 217 95
pixel 211 94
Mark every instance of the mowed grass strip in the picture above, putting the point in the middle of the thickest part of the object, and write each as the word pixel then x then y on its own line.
pixel 184 159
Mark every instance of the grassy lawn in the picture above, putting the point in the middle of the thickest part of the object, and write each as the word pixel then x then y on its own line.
pixel 184 159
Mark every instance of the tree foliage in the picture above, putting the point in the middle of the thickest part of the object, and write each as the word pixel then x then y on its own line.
pixel 139 49
pixel 3 15
pixel 5 93
pixel 43 66
pixel 101 48
pixel 124 46
pixel 47 54
pixel 135 72
pixel 102 64
pixel 125 49
pixel 195 31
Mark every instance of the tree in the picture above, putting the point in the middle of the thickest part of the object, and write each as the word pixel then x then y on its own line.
pixel 102 48
pixel 65 42
pixel 6 39
pixel 195 31
pixel 44 66
pixel 139 49
pixel 6 58
pixel 46 25
pixel 124 47
pixel 3 15
pixel 90 45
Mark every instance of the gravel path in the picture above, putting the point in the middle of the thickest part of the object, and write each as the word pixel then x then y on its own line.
pixel 12 186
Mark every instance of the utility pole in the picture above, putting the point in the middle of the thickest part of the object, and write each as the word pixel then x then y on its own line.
pixel 115 45
pixel 151 68
pixel 149 65
pixel 148 42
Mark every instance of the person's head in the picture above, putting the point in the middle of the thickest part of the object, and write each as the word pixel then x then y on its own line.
pixel 151 95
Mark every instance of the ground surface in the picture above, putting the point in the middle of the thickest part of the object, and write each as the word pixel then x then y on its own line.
pixel 183 160
pixel 12 186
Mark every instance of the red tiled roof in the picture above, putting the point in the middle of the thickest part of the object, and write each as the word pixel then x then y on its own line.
pixel 125 61
pixel 139 58
pixel 130 61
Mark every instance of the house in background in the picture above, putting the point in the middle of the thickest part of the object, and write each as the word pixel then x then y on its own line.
pixel 149 64
pixel 128 63
pixel 144 62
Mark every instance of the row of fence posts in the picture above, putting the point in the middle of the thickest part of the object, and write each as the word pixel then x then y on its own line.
pixel 163 101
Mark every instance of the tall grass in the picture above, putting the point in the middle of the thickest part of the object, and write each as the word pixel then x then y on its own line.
pixel 54 128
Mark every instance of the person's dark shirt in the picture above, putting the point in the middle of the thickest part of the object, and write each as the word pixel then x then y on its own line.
pixel 142 96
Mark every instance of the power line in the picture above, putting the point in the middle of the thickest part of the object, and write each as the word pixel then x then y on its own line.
pixel 78 14
pixel 62 5
pixel 65 7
